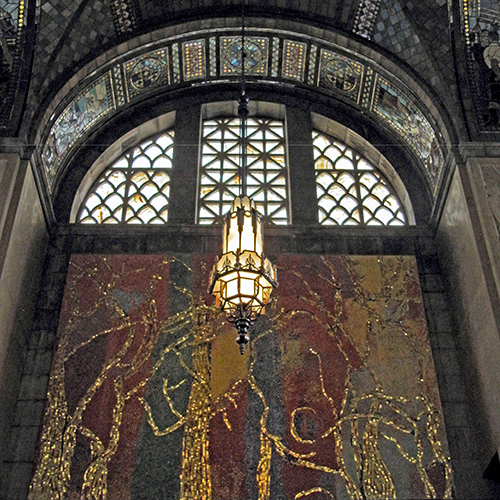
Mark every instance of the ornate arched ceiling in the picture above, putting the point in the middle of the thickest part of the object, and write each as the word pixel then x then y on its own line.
pixel 426 55
pixel 60 36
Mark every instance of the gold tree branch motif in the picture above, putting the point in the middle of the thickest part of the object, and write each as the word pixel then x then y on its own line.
pixel 366 416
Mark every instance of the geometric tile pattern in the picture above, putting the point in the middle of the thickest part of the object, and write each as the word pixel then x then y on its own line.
pixel 425 45
pixel 365 18
pixel 194 59
pixel 123 15
pixel 294 60
pixel 256 55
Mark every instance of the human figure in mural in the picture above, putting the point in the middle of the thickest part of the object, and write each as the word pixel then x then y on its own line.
pixel 7 33
pixel 486 53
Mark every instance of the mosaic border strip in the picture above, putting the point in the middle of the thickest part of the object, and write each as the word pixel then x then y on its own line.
pixel 85 110
pixel 193 61
pixel 404 117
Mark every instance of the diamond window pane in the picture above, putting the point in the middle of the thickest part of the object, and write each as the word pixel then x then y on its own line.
pixel 266 168
pixel 134 189
pixel 351 191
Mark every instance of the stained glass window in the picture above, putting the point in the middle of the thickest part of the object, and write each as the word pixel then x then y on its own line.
pixel 350 190
pixel 135 189
pixel 219 180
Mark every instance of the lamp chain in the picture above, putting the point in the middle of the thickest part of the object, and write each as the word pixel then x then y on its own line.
pixel 243 108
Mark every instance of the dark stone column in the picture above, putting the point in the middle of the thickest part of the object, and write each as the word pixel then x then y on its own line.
pixel 301 164
pixel 184 178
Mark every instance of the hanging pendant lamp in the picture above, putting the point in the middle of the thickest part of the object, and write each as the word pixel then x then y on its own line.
pixel 243 279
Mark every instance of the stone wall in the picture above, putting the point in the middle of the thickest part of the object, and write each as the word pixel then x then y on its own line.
pixel 22 247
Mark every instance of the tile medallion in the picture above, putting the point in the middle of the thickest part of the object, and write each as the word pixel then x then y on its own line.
pixel 146 71
pixel 257 55
pixel 340 73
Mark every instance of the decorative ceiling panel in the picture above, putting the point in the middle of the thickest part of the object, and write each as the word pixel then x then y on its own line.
pixel 306 62
pixel 417 32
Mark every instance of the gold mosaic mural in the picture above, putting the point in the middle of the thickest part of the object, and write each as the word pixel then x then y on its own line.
pixel 150 398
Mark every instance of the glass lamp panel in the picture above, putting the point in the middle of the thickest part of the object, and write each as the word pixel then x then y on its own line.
pixel 233 235
pixel 231 290
pixel 248 235
pixel 247 286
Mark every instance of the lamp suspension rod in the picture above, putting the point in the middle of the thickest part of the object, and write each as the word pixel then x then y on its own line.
pixel 243 107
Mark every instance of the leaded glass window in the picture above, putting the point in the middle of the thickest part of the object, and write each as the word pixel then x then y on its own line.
pixel 135 189
pixel 350 190
pixel 219 181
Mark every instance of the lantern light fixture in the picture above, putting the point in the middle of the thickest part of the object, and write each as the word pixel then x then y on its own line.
pixel 243 279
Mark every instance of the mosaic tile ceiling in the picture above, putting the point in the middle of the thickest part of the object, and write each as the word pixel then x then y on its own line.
pixel 72 32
